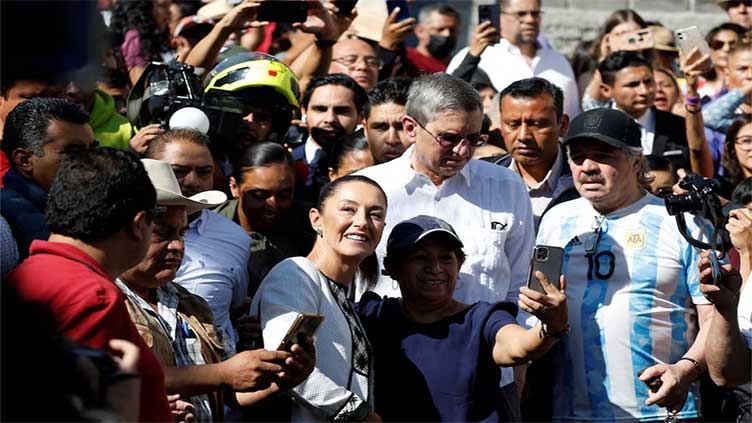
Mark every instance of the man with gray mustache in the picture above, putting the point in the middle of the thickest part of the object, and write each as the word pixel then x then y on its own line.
pixel 632 285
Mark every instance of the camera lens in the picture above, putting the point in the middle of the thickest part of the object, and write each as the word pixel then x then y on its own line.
pixel 683 203
pixel 541 254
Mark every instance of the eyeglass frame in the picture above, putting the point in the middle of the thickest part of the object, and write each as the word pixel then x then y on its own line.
pixel 446 144
pixel 519 14
pixel 366 59
pixel 747 141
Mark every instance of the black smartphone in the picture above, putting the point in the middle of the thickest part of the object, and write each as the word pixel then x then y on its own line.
pixel 489 12
pixel 345 6
pixel 548 260
pixel 283 11
pixel 304 325
pixel 404 12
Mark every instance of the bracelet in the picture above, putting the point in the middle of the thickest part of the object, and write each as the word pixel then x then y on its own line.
pixel 557 335
pixel 694 112
pixel 325 43
pixel 692 100
pixel 694 362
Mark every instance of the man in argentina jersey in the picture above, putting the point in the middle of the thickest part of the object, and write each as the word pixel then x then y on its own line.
pixel 632 285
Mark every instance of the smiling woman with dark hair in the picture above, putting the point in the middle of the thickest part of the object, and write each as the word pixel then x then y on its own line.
pixel 349 220
pixel 438 359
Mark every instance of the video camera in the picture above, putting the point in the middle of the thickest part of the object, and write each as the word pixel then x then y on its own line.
pixel 702 199
pixel 164 89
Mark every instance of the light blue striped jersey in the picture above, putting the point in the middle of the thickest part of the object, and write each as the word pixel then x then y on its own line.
pixel 630 306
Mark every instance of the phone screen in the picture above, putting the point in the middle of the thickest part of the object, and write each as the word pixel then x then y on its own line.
pixel 489 12
pixel 283 11
pixel 404 12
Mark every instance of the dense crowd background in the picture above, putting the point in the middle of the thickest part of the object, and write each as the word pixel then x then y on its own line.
pixel 472 232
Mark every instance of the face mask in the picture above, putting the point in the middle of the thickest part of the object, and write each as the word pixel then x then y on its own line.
pixel 440 46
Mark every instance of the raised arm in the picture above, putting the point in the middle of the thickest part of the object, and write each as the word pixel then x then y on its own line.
pixel 204 54
pixel 700 157
pixel 516 345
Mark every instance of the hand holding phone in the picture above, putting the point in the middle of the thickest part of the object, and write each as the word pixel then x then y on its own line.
pixel 548 260
pixel 544 295
pixel 689 38
pixel 303 326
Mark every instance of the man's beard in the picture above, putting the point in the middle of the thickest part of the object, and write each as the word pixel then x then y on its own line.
pixel 325 138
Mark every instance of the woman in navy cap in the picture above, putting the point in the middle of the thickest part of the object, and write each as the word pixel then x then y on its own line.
pixel 437 359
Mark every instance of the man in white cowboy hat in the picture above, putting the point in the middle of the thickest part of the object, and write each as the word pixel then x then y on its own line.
pixel 217 250
pixel 179 326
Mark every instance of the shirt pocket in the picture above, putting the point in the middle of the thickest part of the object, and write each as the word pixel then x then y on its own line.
pixel 484 248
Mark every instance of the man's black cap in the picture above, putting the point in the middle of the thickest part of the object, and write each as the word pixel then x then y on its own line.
pixel 611 126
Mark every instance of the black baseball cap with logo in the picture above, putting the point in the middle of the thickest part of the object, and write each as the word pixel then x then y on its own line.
pixel 610 126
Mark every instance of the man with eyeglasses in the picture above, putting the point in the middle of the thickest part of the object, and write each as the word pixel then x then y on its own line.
pixel 357 59
pixel 486 204
pixel 739 12
pixel 519 54
pixel 632 286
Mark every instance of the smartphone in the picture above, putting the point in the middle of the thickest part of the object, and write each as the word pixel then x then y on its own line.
pixel 404 12
pixel 283 11
pixel 304 325
pixel 548 260
pixel 345 6
pixel 641 39
pixel 689 38
pixel 489 12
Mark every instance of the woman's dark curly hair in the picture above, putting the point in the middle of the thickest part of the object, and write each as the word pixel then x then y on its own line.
pixel 731 168
pixel 137 14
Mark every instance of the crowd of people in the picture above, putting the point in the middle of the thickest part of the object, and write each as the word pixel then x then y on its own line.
pixel 173 210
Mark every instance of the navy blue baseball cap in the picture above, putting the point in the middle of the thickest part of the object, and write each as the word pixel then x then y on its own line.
pixel 611 126
pixel 411 231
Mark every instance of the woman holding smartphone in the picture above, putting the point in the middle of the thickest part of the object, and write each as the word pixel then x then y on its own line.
pixel 348 220
pixel 438 359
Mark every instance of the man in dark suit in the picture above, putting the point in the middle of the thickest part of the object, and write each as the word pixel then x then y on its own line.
pixel 333 107
pixel 627 79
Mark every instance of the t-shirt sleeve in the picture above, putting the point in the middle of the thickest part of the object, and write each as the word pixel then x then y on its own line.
pixel 131 50
pixel 498 315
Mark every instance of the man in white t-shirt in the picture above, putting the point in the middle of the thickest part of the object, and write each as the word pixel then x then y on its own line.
pixel 519 54
pixel 632 285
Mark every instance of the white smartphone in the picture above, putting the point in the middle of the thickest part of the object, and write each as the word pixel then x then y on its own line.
pixel 689 38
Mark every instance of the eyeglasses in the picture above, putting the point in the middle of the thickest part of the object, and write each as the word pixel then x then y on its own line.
pixel 452 140
pixel 351 59
pixel 535 14
pixel 745 143
pixel 718 44
pixel 591 243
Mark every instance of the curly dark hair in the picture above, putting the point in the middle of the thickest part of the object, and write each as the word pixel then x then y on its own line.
pixel 137 14
pixel 90 211
pixel 731 168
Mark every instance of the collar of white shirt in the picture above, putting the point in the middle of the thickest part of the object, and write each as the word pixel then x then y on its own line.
pixel 310 149
pixel 551 177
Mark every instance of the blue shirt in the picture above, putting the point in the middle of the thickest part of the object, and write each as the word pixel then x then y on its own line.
pixel 441 371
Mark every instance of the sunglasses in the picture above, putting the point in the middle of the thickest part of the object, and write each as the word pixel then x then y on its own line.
pixel 718 44
pixel 452 140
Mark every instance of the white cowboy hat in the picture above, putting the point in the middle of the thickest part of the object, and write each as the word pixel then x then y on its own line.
pixel 168 189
